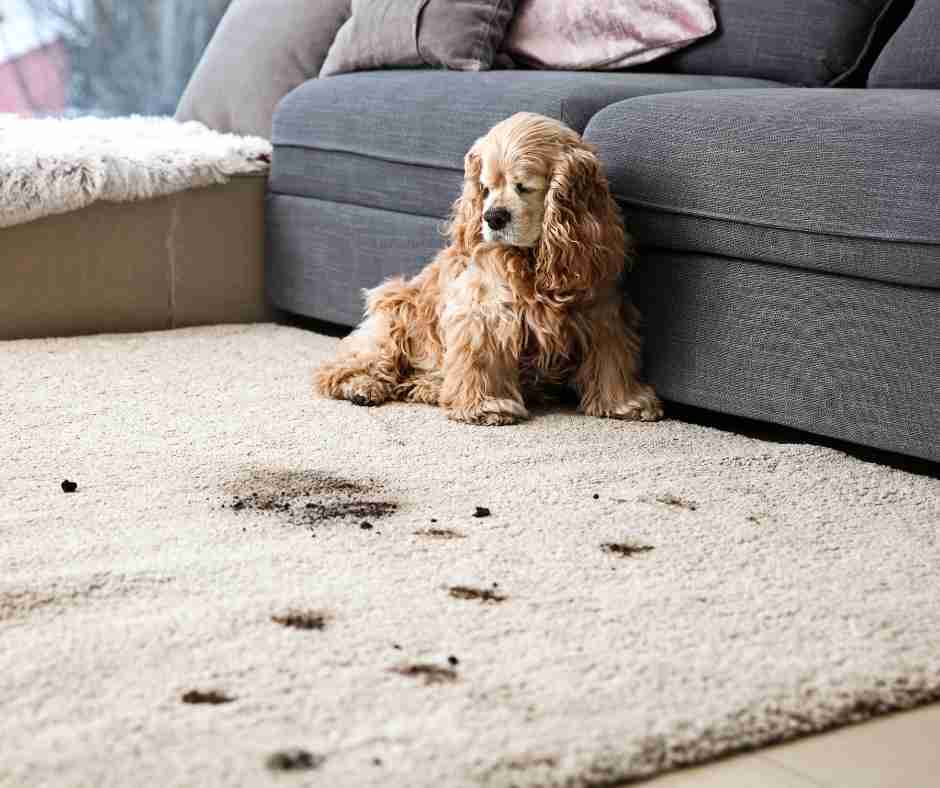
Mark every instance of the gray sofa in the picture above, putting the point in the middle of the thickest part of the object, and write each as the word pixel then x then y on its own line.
pixel 789 236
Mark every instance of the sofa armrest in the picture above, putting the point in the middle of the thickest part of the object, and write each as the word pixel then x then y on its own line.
pixel 261 51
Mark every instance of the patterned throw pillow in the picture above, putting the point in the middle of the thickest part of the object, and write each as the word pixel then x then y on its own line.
pixel 604 35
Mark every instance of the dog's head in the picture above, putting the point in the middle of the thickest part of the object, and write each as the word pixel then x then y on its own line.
pixel 532 183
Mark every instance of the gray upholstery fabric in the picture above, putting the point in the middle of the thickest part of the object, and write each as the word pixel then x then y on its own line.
pixel 458 34
pixel 803 42
pixel 396 140
pixel 849 358
pixel 321 254
pixel 855 171
pixel 911 59
pixel 886 261
pixel 261 51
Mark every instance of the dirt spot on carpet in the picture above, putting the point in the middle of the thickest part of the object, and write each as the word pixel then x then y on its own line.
pixel 319 512
pixel 523 762
pixel 14 604
pixel 211 697
pixel 440 533
pixel 428 673
pixel 481 511
pixel 306 497
pixel 294 760
pixel 303 619
pixel 69 486
pixel 668 499
pixel 21 602
pixel 481 594
pixel 625 549
pixel 541 769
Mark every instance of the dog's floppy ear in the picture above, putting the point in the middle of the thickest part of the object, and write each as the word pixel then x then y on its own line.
pixel 583 240
pixel 466 222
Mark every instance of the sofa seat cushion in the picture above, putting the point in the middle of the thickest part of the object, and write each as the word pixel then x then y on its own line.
pixel 396 140
pixel 845 181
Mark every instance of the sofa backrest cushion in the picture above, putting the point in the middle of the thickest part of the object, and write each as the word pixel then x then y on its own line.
pixel 465 35
pixel 261 51
pixel 801 42
pixel 911 59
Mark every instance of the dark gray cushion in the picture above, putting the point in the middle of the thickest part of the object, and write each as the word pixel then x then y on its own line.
pixel 803 42
pixel 846 181
pixel 458 34
pixel 849 358
pixel 911 59
pixel 261 51
pixel 397 140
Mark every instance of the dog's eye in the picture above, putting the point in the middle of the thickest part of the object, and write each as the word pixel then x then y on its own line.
pixel 522 189
pixel 486 192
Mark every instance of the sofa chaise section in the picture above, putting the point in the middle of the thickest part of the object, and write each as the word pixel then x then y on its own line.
pixel 790 265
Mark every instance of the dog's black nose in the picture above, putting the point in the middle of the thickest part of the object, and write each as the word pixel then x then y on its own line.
pixel 497 218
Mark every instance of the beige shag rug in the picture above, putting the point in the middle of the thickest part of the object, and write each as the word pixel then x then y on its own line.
pixel 50 165
pixel 210 607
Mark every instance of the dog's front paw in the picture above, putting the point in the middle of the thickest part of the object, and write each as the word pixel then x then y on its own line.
pixel 642 405
pixel 364 390
pixel 490 412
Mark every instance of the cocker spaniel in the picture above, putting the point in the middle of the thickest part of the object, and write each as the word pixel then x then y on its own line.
pixel 524 297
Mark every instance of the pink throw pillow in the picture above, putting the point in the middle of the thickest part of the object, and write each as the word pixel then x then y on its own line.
pixel 604 35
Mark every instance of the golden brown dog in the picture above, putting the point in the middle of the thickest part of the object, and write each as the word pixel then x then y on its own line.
pixel 524 296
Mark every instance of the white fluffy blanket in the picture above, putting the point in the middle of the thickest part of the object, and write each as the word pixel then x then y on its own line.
pixel 51 166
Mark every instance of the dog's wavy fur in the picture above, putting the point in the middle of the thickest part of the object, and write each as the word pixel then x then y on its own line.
pixel 486 325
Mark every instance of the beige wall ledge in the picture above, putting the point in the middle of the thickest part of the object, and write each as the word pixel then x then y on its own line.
pixel 193 258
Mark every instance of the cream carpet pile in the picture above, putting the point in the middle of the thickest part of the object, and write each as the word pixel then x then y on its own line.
pixel 249 580
pixel 50 165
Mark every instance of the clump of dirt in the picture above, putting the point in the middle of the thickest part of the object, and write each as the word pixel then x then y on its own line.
pixel 306 498
pixel 626 549
pixel 213 697
pixel 481 511
pixel 481 594
pixel 673 500
pixel 294 760
pixel 440 533
pixel 303 619
pixel 69 487
pixel 339 510
pixel 430 674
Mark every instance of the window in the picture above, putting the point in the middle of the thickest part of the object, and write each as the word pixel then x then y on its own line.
pixel 101 57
